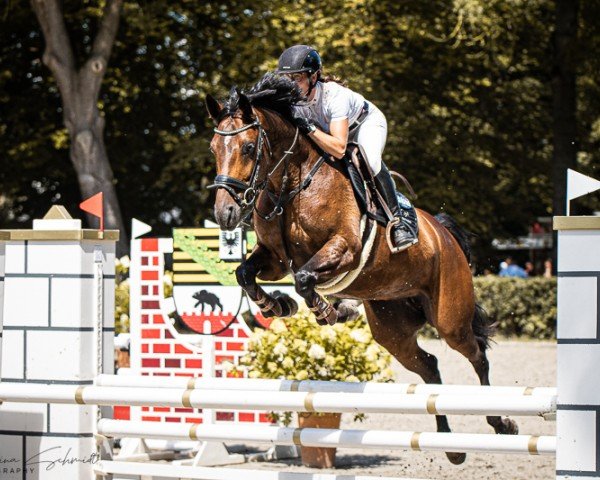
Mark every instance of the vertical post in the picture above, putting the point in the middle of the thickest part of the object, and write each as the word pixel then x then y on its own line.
pixel 54 277
pixel 2 258
pixel 578 334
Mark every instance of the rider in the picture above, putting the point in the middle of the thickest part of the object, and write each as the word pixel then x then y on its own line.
pixel 334 115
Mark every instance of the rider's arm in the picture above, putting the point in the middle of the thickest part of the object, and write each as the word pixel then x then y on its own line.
pixel 335 142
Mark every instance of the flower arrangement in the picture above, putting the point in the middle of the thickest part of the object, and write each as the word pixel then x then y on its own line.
pixel 297 348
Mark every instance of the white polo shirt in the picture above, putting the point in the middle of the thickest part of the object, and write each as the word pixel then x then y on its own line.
pixel 332 101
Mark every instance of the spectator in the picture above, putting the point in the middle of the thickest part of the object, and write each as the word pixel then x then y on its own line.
pixel 512 269
pixel 529 269
pixel 548 268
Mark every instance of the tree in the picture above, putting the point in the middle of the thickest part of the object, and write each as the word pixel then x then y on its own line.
pixel 79 90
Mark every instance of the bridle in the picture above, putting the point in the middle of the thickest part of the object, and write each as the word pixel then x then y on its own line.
pixel 245 194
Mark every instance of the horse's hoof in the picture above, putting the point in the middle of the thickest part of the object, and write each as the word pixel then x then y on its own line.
pixel 289 306
pixel 509 427
pixel 347 311
pixel 456 458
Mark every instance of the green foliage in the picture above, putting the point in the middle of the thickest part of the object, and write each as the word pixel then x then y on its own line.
pixel 297 348
pixel 465 86
pixel 122 295
pixel 522 307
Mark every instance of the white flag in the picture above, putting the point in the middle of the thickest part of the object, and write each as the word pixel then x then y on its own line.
pixel 579 184
pixel 139 228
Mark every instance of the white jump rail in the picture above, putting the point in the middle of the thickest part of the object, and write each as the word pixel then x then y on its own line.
pixel 332 402
pixel 206 473
pixel 270 385
pixel 322 437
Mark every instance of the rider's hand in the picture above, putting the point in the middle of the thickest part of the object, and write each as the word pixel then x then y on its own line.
pixel 304 124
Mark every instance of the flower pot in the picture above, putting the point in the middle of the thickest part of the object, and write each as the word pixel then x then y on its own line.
pixel 318 457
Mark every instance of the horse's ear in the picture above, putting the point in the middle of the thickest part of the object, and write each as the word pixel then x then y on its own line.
pixel 246 108
pixel 213 106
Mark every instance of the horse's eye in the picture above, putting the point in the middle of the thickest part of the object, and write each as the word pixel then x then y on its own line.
pixel 248 148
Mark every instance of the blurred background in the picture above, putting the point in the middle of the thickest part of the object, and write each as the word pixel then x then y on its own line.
pixel 488 103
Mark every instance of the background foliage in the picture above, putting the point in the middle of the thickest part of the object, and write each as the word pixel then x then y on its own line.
pixel 520 307
pixel 465 86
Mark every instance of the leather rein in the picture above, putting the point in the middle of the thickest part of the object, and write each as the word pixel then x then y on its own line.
pixel 245 194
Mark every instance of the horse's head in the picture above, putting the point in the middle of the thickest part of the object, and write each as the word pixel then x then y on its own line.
pixel 238 147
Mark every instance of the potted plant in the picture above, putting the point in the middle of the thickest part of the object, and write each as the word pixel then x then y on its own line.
pixel 297 348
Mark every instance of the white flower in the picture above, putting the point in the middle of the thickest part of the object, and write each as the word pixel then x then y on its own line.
pixel 124 261
pixel 327 333
pixel 371 353
pixel 278 326
pixel 316 351
pixel 124 317
pixel 280 349
pixel 253 374
pixel 323 372
pixel 360 335
pixel 330 361
pixel 302 375
pixel 299 345
pixel 227 366
pixel 351 378
pixel 271 367
pixel 382 363
pixel 287 363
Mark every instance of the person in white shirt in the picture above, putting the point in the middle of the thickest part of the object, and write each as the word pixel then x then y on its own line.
pixel 333 115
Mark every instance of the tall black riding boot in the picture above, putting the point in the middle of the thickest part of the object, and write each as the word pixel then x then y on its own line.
pixel 402 235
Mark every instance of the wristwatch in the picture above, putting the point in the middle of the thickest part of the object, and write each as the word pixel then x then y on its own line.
pixel 311 128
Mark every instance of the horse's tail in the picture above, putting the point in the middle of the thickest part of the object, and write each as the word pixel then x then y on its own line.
pixel 460 234
pixel 483 327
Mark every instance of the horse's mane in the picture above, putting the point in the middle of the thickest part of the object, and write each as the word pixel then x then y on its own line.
pixel 272 92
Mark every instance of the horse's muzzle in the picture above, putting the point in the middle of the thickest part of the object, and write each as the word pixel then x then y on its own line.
pixel 228 217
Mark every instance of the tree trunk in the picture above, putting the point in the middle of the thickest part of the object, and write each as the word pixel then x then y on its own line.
pixel 564 104
pixel 89 158
pixel 79 91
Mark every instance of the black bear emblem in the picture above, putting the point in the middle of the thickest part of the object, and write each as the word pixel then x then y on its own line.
pixel 204 297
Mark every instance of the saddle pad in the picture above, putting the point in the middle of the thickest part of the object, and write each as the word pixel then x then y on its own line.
pixel 344 280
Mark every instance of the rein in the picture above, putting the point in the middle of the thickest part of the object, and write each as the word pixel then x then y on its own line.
pixel 249 191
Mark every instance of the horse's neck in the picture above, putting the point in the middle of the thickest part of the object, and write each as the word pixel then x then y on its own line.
pixel 301 160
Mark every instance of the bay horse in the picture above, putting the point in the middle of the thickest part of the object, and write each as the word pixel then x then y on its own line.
pixel 307 224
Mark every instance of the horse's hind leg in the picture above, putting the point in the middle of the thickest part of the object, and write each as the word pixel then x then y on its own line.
pixel 394 325
pixel 468 332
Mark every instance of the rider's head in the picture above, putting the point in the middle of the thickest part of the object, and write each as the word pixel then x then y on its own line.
pixel 303 65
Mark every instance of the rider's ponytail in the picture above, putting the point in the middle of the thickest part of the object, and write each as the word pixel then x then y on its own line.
pixel 332 78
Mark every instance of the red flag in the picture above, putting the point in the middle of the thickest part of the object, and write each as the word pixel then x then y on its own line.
pixel 93 205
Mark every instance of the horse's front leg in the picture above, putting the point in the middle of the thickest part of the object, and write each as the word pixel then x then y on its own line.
pixel 263 264
pixel 337 254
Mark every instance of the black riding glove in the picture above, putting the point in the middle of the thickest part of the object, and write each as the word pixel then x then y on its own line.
pixel 304 124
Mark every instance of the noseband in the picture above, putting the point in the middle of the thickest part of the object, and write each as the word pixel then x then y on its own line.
pixel 249 191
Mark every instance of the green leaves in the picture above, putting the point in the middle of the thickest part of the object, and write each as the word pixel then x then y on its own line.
pixel 465 86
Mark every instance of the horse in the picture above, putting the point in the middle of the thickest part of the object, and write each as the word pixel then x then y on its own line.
pixel 308 224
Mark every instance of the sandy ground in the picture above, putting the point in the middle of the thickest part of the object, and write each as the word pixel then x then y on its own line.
pixel 512 363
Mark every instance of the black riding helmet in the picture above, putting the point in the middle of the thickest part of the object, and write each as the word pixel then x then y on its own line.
pixel 299 58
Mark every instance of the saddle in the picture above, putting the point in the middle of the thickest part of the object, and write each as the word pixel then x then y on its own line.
pixel 365 191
